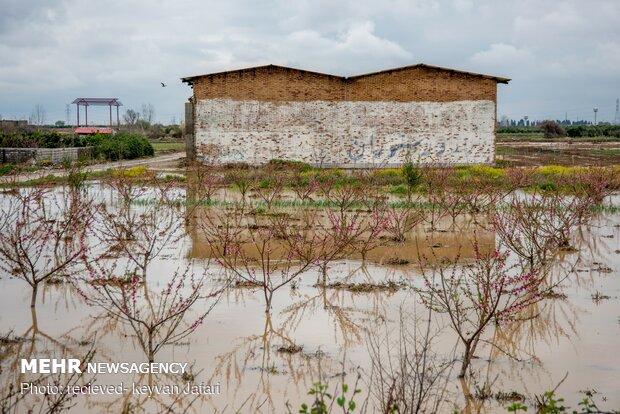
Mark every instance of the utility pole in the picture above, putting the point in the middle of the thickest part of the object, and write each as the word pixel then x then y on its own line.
pixel 68 113
pixel 617 117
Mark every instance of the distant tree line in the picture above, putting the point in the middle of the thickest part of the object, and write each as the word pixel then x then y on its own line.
pixel 133 120
pixel 142 121
pixel 553 129
pixel 510 123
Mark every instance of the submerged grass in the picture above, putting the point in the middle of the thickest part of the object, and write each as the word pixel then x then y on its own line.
pixel 260 207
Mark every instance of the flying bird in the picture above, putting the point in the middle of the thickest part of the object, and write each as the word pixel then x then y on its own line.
pixel 163 85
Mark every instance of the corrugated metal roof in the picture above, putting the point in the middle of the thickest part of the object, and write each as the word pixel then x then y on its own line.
pixel 190 79
pixel 439 68
pixel 98 101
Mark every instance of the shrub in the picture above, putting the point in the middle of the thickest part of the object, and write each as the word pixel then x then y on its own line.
pixel 413 177
pixel 552 129
pixel 17 141
pixel 124 146
pixel 323 176
pixel 552 170
pixel 547 186
pixel 387 172
pixel 278 164
pixel 7 169
pixel 132 172
pixel 387 176
pixel 400 189
pixel 486 171
pixel 265 183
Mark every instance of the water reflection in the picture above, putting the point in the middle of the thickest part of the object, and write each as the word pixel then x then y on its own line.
pixel 320 332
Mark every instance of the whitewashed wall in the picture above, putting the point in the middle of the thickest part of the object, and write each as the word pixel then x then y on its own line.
pixel 346 133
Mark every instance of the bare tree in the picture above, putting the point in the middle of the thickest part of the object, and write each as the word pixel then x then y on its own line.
pixel 131 117
pixel 38 115
pixel 139 233
pixel 532 227
pixel 156 318
pixel 437 185
pixel 407 376
pixel 148 113
pixel 401 221
pixel 45 237
pixel 475 295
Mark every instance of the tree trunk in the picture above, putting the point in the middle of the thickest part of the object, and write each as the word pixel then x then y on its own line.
pixel 466 360
pixel 33 300
pixel 268 296
pixel 150 350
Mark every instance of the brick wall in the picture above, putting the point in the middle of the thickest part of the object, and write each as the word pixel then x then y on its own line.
pixel 275 84
pixel 259 114
pixel 270 84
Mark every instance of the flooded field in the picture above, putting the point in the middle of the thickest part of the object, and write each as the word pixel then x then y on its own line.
pixel 183 288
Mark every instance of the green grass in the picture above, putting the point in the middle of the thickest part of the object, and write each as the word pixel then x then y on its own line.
pixel 610 151
pixel 259 207
pixel 168 146
pixel 7 169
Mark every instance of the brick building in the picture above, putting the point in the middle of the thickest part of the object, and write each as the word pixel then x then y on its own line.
pixel 427 113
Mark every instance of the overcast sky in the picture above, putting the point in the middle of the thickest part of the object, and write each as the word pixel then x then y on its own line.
pixel 563 56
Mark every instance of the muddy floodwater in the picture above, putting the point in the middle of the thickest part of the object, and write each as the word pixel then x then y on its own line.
pixel 241 359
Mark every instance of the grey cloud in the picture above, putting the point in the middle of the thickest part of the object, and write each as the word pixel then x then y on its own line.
pixel 55 50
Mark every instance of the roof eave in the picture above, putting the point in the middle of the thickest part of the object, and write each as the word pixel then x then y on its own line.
pixel 439 68
pixel 190 79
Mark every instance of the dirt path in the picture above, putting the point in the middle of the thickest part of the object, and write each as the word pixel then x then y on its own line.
pixel 161 163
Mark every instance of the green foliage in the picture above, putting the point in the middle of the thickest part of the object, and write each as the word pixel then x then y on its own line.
pixel 7 169
pixel 412 174
pixel 572 131
pixel 480 171
pixel 549 403
pixel 134 172
pixel 387 176
pixel 399 189
pixel 581 131
pixel 265 183
pixel 75 176
pixel 278 164
pixel 547 186
pixel 110 147
pixel 174 131
pixel 323 400
pixel 502 163
pixel 553 170
pixel 515 407
pixel 35 139
pixel 124 146
pixel 326 175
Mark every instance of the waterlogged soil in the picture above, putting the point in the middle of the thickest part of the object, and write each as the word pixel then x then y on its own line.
pixel 264 362
pixel 598 154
